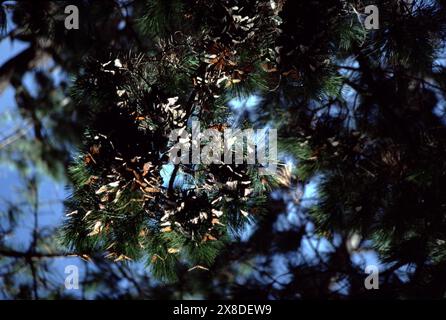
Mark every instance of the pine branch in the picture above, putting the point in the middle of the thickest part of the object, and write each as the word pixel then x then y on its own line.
pixel 10 253
pixel 16 67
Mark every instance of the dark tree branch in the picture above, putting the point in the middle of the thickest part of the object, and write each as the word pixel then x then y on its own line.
pixel 16 67
pixel 10 253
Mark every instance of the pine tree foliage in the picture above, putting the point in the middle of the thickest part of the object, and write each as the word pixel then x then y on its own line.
pixel 379 154
pixel 120 204
pixel 299 57
pixel 360 113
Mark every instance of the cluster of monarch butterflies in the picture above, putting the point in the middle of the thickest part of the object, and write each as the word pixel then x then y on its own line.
pixel 128 196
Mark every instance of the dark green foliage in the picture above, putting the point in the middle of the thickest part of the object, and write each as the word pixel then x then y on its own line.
pixel 376 154
pixel 359 113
